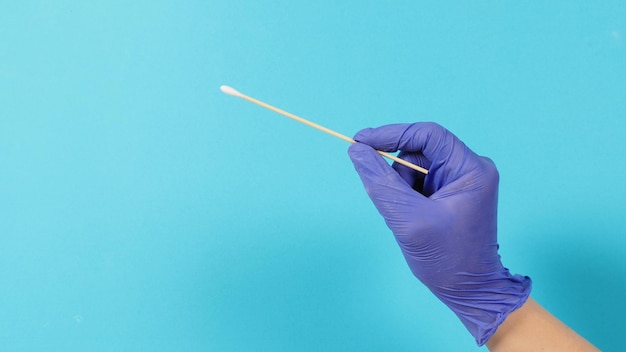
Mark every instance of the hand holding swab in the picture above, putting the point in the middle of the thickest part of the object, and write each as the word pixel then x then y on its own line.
pixel 230 91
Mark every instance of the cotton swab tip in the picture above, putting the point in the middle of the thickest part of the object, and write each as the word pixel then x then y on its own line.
pixel 230 91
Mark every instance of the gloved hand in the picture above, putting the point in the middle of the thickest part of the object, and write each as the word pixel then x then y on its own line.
pixel 444 222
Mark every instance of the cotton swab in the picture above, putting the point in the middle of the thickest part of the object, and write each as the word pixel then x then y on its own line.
pixel 230 91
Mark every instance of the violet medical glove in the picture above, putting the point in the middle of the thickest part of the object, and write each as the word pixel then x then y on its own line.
pixel 444 222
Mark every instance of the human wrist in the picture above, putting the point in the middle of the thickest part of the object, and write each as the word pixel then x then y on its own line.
pixel 532 328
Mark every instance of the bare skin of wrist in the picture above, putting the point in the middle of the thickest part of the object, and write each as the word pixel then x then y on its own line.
pixel 532 328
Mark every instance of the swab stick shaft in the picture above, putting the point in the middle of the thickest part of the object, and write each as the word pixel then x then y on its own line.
pixel 233 92
pixel 298 118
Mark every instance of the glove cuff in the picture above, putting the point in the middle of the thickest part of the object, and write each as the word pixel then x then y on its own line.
pixel 482 308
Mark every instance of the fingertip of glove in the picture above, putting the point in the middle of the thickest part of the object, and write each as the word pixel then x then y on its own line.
pixel 362 135
pixel 358 151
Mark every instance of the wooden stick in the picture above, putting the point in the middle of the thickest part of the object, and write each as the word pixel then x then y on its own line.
pixel 230 91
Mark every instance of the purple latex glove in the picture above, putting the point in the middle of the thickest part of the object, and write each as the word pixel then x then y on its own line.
pixel 444 222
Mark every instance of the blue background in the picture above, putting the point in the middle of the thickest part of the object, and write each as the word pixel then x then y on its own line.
pixel 143 209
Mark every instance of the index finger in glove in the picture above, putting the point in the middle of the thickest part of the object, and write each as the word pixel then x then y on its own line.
pixel 427 137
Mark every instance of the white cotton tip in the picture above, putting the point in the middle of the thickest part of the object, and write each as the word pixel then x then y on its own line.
pixel 230 91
